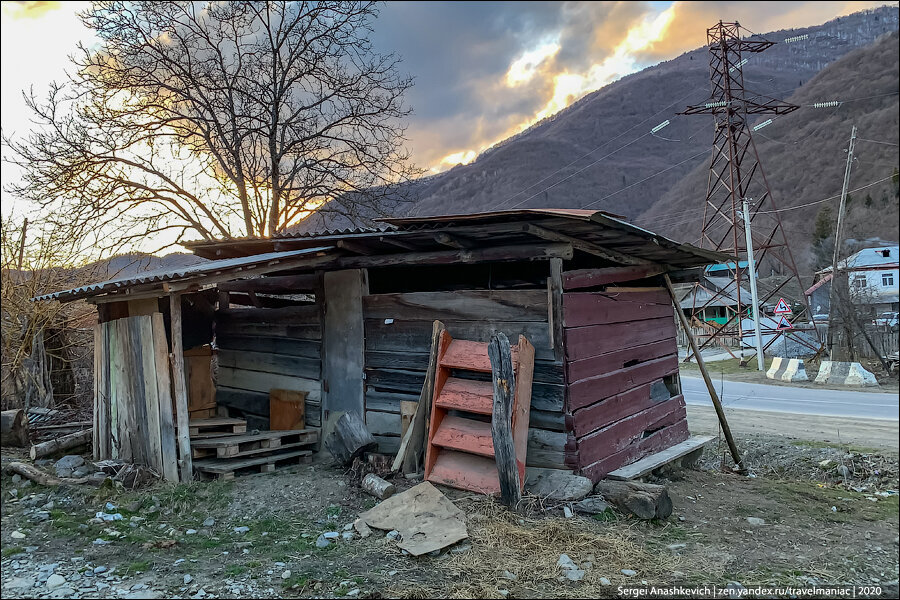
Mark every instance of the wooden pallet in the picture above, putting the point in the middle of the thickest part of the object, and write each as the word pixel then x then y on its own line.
pixel 228 468
pixel 252 443
pixel 200 428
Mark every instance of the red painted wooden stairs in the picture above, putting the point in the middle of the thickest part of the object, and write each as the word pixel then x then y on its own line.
pixel 460 450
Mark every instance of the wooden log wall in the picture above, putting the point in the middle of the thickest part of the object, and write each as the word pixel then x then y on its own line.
pixel 398 335
pixel 133 418
pixel 268 348
pixel 624 396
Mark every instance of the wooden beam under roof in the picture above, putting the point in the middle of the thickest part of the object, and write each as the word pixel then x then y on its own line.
pixel 453 241
pixel 578 244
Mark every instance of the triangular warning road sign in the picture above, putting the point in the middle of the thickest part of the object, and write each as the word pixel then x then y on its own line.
pixel 782 307
pixel 784 324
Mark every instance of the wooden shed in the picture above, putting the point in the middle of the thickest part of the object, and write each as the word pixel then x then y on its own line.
pixel 347 318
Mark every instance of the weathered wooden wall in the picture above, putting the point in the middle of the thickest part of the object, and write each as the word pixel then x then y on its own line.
pixel 265 348
pixel 622 371
pixel 133 415
pixel 398 336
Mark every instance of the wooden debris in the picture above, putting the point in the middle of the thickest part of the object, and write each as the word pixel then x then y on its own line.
pixel 51 447
pixel 349 439
pixel 377 486
pixel 14 428
pixel 40 477
pixel 216 426
pixel 643 500
pixel 426 519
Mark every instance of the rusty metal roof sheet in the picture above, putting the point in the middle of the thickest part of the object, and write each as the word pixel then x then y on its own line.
pixel 236 266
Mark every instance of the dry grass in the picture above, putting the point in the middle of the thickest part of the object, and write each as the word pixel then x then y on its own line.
pixel 530 547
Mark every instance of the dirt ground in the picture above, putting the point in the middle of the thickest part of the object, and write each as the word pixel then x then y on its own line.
pixel 829 515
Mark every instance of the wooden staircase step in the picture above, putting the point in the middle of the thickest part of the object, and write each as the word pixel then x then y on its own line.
pixel 468 355
pixel 467 395
pixel 466 472
pixel 465 435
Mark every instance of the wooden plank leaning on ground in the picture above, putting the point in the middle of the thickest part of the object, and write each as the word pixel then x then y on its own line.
pixel 164 394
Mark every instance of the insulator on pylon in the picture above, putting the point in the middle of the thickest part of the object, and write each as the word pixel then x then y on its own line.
pixel 716 104
pixel 662 125
pixel 761 125
pixel 826 104
pixel 738 66
pixel 796 38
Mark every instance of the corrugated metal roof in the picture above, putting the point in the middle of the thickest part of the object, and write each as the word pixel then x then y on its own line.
pixel 179 274
pixel 578 213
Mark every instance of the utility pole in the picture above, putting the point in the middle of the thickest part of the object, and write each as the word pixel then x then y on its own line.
pixel 838 240
pixel 754 297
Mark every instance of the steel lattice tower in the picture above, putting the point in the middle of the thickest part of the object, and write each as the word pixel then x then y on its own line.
pixel 735 171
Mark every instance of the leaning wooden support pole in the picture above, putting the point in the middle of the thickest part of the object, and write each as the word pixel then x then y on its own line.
pixel 717 404
pixel 412 446
pixel 504 379
pixel 65 442
pixel 40 477
pixel 180 386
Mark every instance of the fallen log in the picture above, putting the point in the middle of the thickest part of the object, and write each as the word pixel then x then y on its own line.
pixel 377 486
pixel 643 500
pixel 50 447
pixel 13 428
pixel 349 439
pixel 40 477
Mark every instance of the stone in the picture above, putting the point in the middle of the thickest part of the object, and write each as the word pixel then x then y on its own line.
pixel 348 527
pixel 187 579
pixel 242 529
pixel 321 542
pixel 286 574
pixel 179 561
pixel 83 471
pixel 393 535
pixel 574 574
pixel 67 464
pixel 593 505
pixel 40 516
pixel 460 548
pixel 18 584
pixel 567 512
pixel 353 593
pixel 628 572
pixel 605 581
pixel 16 478
pixel 503 593
pixel 49 506
pixel 557 485
pixel 331 535
pixel 17 535
pixel 510 575
pixel 100 569
pixel 209 522
pixel 347 535
pixel 565 562
pixel 55 581
pixel 755 521
pixel 190 532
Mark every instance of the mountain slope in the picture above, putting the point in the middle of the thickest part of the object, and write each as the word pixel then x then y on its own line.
pixel 598 152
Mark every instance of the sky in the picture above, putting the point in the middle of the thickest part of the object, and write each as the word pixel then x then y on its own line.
pixel 483 70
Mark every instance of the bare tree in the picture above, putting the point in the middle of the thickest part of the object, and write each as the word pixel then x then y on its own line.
pixel 221 119
pixel 36 260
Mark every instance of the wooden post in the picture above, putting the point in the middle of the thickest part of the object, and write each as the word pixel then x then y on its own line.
pixel 726 430
pixel 179 383
pixel 504 378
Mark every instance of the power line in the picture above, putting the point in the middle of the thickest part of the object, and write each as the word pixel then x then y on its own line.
pixel 606 143
pixel 645 179
pixel 781 210
pixel 877 142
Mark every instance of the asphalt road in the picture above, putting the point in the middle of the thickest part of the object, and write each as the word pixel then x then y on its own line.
pixel 801 400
